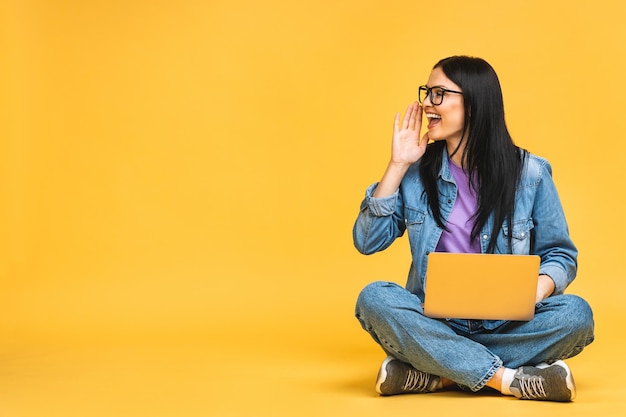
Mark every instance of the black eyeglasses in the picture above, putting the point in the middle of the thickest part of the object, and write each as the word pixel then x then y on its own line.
pixel 435 93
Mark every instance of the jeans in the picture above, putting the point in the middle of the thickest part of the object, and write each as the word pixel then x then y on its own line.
pixel 465 351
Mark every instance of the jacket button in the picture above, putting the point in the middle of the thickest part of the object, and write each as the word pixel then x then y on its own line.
pixel 485 237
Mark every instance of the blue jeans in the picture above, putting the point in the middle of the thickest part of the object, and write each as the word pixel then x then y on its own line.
pixel 466 351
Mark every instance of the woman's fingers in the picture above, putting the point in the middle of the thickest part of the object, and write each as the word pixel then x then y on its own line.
pixel 412 117
pixel 407 117
pixel 406 146
pixel 424 141
pixel 396 123
pixel 417 124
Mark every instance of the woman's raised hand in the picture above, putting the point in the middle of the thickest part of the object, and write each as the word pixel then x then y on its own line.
pixel 406 147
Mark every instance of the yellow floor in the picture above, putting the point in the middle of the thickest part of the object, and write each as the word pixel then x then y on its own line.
pixel 265 369
pixel 181 345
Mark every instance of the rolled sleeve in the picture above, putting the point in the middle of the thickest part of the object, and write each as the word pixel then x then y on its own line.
pixel 379 222
pixel 552 240
pixel 558 275
pixel 383 206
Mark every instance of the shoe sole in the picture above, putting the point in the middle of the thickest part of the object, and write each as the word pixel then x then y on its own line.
pixel 382 374
pixel 569 379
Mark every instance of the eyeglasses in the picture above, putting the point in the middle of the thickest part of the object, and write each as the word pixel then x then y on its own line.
pixel 435 93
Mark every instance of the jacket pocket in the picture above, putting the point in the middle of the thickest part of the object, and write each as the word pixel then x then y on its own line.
pixel 520 236
pixel 414 220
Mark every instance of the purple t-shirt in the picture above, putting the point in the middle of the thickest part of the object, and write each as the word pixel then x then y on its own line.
pixel 457 238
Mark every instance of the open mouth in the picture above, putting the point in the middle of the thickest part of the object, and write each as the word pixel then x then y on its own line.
pixel 433 119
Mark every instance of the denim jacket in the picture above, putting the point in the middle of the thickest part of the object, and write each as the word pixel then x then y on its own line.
pixel 539 225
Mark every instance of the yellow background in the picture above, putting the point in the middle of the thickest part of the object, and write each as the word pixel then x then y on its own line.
pixel 179 181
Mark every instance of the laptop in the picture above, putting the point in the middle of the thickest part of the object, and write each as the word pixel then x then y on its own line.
pixel 481 286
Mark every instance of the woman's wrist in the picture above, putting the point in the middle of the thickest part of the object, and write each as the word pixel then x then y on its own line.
pixel 545 287
pixel 391 179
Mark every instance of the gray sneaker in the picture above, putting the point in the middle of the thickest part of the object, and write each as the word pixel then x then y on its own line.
pixel 544 382
pixel 397 377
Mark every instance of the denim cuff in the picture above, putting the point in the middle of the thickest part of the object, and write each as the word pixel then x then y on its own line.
pixel 558 275
pixel 384 206
pixel 497 364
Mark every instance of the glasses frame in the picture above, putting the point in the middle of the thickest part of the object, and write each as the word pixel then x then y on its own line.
pixel 429 93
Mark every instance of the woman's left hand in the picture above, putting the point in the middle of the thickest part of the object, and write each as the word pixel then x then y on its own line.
pixel 545 287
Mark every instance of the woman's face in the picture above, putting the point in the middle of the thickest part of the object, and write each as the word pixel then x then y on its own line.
pixel 445 121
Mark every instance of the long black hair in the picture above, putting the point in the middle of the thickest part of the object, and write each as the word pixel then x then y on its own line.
pixel 490 155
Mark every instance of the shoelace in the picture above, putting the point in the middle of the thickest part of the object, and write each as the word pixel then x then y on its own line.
pixel 416 380
pixel 531 387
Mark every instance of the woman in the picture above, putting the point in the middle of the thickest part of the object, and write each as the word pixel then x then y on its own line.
pixel 470 190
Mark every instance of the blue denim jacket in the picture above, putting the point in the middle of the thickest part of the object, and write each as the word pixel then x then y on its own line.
pixel 539 225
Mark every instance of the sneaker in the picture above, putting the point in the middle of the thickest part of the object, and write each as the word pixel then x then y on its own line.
pixel 397 377
pixel 544 382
